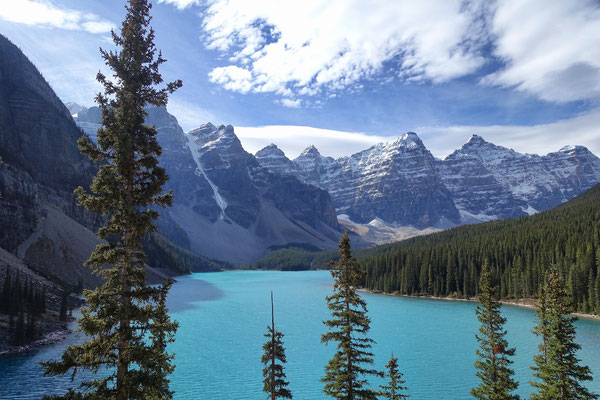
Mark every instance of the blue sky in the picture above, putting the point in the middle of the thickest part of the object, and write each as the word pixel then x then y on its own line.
pixel 523 74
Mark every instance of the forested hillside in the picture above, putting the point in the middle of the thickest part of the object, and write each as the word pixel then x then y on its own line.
pixel 517 250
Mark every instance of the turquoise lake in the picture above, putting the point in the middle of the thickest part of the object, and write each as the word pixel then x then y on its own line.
pixel 223 317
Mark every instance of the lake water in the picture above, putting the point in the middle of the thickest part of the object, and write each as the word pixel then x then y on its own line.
pixel 223 317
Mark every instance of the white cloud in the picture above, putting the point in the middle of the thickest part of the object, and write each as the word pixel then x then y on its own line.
pixel 44 13
pixel 232 78
pixel 180 4
pixel 547 49
pixel 291 103
pixel 550 47
pixel 316 44
pixel 538 139
pixel 294 139
pixel 440 140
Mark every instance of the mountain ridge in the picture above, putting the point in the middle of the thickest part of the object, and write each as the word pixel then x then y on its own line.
pixel 484 181
pixel 227 206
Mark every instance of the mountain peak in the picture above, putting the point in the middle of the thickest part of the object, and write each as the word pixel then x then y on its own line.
pixel 310 151
pixel 270 151
pixel 271 146
pixel 408 140
pixel 476 139
pixel 207 125
pixel 202 130
pixel 570 148
pixel 211 136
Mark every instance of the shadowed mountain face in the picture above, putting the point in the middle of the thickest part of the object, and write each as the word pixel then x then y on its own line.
pixel 400 184
pixel 227 206
pixel 40 221
pixel 38 145
pixel 494 182
pixel 396 182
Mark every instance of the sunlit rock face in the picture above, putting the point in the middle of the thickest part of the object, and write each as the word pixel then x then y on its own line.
pixel 400 184
pixel 227 206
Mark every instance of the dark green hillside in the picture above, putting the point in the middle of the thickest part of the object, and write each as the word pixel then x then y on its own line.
pixel 295 259
pixel 448 263
pixel 163 254
pixel 517 250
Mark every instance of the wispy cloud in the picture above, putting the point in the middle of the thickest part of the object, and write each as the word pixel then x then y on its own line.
pixel 292 49
pixel 180 4
pixel 550 48
pixel 291 103
pixel 294 139
pixel 303 47
pixel 46 14
pixel 440 140
pixel 538 139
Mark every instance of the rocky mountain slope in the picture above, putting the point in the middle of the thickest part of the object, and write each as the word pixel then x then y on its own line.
pixel 227 206
pixel 42 164
pixel 399 185
pixel 40 221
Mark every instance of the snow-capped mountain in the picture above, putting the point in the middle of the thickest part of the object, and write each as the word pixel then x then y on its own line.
pixel 390 191
pixel 272 158
pixel 226 205
pixel 399 184
pixel 493 182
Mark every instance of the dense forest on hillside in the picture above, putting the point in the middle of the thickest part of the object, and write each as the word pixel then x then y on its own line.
pixel 517 251
pixel 164 254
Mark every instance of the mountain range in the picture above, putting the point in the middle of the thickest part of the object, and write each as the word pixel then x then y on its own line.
pixel 233 206
pixel 227 206
pixel 385 193
pixel 401 185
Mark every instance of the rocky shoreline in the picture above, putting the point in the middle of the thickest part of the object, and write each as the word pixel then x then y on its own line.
pixel 525 303
pixel 48 339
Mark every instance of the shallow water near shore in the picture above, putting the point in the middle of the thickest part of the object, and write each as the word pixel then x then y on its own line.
pixel 223 317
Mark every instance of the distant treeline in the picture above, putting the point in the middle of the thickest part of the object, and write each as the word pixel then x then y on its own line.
pixel 162 253
pixel 449 263
pixel 295 259
pixel 23 302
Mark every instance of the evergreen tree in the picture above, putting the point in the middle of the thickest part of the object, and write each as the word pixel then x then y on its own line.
pixel 126 319
pixel 345 374
pixel 64 305
pixel 6 295
pixel 19 332
pixel 30 328
pixel 394 390
pixel 493 363
pixel 1 162
pixel 557 369
pixel 273 359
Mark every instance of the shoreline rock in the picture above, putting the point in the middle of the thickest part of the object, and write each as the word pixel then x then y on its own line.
pixel 524 303
pixel 48 339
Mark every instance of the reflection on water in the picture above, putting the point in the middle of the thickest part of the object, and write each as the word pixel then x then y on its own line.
pixel 21 375
pixel 190 291
pixel 223 316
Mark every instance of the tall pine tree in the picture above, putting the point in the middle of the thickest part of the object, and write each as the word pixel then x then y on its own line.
pixel 273 359
pixel 64 305
pixel 395 389
pixel 125 319
pixel 345 374
pixel 493 363
pixel 557 369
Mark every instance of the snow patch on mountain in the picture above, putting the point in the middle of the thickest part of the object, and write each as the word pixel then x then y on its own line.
pixel 196 150
pixel 378 231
